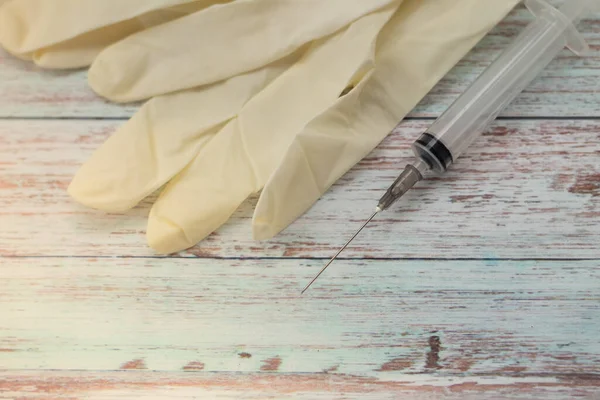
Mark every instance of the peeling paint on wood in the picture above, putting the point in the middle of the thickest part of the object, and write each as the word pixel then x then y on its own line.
pixel 498 298
pixel 433 356
pixel 140 385
pixel 586 184
pixel 568 87
pixel 271 364
pixel 512 196
pixel 194 366
pixel 134 364
pixel 397 364
pixel 365 318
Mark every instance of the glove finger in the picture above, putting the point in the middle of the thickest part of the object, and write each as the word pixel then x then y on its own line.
pixel 163 136
pixel 27 26
pixel 164 15
pixel 82 50
pixel 222 41
pixel 419 46
pixel 239 159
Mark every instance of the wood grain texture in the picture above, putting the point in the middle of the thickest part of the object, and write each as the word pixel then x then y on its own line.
pixel 376 318
pixel 527 189
pixel 568 87
pixel 153 385
pixel 481 284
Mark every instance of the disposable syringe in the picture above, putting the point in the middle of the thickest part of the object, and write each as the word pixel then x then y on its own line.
pixel 466 119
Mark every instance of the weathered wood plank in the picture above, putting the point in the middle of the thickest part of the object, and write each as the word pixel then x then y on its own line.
pixel 528 189
pixel 569 86
pixel 152 385
pixel 72 297
pixel 386 319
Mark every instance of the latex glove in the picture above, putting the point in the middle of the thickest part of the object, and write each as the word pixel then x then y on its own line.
pixel 293 139
pixel 171 131
pixel 71 33
pixel 226 40
pixel 417 48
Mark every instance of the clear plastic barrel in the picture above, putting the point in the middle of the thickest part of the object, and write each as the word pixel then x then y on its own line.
pixel 512 72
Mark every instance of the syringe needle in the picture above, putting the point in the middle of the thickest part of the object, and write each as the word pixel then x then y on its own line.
pixel 341 250
pixel 450 135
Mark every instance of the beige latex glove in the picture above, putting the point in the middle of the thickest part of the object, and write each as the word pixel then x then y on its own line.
pixel 70 33
pixel 419 46
pixel 170 131
pixel 218 43
pixel 294 138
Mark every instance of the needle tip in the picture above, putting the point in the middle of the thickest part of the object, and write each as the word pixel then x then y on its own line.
pixel 377 211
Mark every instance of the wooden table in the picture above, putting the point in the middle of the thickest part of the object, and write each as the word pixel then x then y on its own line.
pixel 484 283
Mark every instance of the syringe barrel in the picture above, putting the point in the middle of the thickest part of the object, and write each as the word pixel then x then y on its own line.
pixel 495 88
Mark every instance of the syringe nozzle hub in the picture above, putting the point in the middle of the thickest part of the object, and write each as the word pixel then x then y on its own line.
pixel 406 181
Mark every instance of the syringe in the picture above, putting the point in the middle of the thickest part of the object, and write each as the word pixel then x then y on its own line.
pixel 466 119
